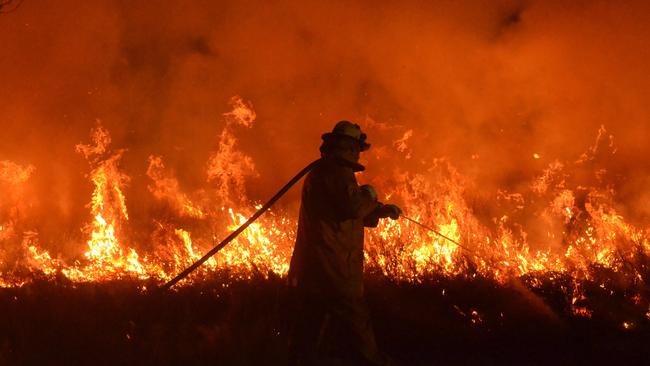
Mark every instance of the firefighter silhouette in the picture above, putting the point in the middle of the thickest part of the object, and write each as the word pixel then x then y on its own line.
pixel 331 323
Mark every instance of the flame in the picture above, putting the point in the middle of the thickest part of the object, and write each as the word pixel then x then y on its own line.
pixel 228 167
pixel 586 233
pixel 166 188
pixel 13 173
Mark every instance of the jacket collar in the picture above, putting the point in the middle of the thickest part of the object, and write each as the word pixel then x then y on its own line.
pixel 356 167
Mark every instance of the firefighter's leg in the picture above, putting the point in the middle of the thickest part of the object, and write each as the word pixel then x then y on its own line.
pixel 306 333
pixel 351 319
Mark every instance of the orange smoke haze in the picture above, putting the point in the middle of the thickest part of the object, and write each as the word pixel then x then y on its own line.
pixel 501 89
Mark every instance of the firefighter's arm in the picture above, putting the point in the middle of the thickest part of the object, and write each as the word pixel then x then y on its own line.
pixel 381 212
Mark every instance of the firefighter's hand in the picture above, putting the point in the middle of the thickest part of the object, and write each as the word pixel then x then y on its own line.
pixel 370 190
pixel 392 211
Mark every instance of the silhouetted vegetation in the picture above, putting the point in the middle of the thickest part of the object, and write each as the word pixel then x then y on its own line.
pixel 441 321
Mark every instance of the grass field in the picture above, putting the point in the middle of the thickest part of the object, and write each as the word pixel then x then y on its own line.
pixel 439 322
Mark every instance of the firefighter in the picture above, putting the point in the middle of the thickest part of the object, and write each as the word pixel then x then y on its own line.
pixel 331 323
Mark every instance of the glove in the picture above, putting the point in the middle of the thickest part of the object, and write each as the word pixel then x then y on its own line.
pixel 392 211
pixel 370 190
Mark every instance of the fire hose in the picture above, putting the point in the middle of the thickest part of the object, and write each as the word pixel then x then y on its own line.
pixel 437 233
pixel 243 227
pixel 259 213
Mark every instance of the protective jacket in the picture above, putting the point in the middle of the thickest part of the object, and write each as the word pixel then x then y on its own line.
pixel 328 255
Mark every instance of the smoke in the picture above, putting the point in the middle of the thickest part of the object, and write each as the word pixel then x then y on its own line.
pixel 487 84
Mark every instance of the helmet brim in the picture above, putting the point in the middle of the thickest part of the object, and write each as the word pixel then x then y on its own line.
pixel 363 146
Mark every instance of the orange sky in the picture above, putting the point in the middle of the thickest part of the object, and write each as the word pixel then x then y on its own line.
pixel 497 80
